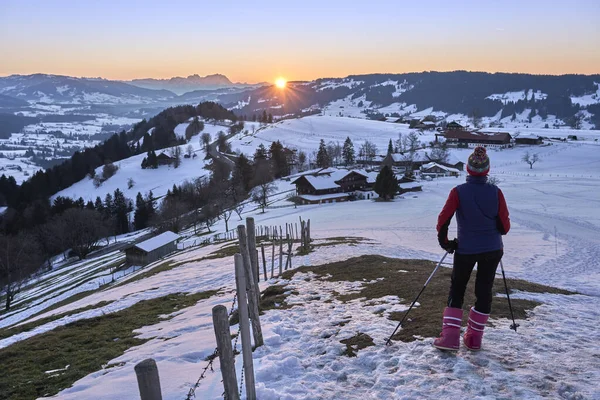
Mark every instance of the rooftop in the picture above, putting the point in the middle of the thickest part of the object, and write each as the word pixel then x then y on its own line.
pixel 157 241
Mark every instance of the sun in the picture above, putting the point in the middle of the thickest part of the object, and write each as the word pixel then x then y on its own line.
pixel 280 83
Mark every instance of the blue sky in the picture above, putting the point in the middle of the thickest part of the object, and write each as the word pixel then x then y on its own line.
pixel 260 40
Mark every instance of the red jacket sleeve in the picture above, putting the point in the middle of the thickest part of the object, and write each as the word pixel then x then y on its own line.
pixel 446 215
pixel 504 220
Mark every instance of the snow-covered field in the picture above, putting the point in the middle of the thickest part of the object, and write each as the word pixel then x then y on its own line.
pixel 555 240
pixel 305 133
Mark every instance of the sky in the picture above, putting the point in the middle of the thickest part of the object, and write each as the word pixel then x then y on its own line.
pixel 257 41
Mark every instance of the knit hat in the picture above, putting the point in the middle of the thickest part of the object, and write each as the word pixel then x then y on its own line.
pixel 479 162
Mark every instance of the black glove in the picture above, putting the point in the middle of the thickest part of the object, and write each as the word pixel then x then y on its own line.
pixel 451 246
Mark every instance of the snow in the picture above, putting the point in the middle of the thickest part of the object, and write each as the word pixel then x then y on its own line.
pixel 305 133
pixel 554 240
pixel 157 241
pixel 516 96
pixel 156 180
pixel 434 164
pixel 588 99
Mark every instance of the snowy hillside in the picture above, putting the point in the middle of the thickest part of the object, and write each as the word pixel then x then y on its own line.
pixel 305 133
pixel 554 240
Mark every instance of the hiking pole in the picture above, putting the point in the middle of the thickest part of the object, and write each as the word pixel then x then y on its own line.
pixel 389 341
pixel 514 324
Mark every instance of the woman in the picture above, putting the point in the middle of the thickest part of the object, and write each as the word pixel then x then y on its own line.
pixel 482 218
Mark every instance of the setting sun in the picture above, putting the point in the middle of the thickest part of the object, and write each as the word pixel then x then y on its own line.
pixel 280 83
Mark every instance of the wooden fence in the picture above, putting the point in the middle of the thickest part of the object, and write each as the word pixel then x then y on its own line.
pixel 247 276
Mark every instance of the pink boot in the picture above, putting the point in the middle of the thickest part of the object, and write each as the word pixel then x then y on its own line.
pixel 450 337
pixel 475 326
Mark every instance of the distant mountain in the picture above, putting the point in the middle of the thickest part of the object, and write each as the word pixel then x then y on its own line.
pixel 11 102
pixel 443 94
pixel 58 89
pixel 194 82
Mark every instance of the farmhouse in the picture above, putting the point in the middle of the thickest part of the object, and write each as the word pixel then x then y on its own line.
pixel 454 126
pixel 529 139
pixel 164 159
pixel 419 158
pixel 152 249
pixel 332 185
pixel 474 139
pixel 434 169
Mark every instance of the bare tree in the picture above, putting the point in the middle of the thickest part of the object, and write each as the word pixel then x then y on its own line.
pixel 238 208
pixel 82 230
pixel 176 154
pixel 189 150
pixel 210 214
pixel 334 150
pixel 367 151
pixel 226 216
pixel 19 258
pixel 130 183
pixel 301 160
pixel 261 193
pixel 530 159
pixel 399 144
pixel 439 154
pixel 205 140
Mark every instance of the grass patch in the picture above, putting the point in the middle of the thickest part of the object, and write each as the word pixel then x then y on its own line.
pixel 424 320
pixel 271 298
pixel 8 332
pixel 356 343
pixel 84 345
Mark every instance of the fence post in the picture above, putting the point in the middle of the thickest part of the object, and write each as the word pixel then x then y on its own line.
pixel 289 255
pixel 223 336
pixel 148 380
pixel 273 259
pixel 280 256
pixel 253 297
pixel 241 279
pixel 262 249
pixel 251 230
pixel 303 237
pixel 308 234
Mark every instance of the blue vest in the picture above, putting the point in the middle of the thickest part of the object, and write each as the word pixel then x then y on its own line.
pixel 476 216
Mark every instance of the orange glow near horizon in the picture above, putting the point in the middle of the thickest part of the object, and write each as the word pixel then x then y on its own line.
pixel 280 83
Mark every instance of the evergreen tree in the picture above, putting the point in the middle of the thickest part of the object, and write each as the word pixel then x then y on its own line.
pixel 390 147
pixel 270 118
pixel 150 205
pixel 98 204
pixel 260 153
pixel 147 143
pixel 348 151
pixel 140 217
pixel 264 119
pixel 152 160
pixel 89 205
pixel 386 184
pixel 323 160
pixel 278 160
pixel 145 163
pixel 243 173
pixel 120 212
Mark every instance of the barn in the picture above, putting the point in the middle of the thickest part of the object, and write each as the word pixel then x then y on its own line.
pixel 152 249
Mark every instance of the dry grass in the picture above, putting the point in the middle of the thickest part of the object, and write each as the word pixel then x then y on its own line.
pixel 424 320
pixel 356 343
pixel 84 345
